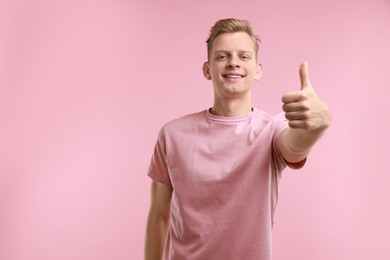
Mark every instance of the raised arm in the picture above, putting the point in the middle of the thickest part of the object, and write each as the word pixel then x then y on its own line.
pixel 158 221
pixel 308 117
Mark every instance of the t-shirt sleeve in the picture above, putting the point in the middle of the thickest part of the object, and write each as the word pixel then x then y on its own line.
pixel 281 123
pixel 158 168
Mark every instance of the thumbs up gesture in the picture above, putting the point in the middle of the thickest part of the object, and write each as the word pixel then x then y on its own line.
pixel 304 109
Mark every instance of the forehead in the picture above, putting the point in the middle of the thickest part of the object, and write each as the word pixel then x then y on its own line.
pixel 237 41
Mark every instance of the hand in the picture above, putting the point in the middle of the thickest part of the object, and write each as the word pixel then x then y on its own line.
pixel 304 109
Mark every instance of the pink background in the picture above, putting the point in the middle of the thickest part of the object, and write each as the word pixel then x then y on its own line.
pixel 86 85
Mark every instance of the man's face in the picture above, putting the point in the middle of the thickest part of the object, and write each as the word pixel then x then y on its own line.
pixel 232 64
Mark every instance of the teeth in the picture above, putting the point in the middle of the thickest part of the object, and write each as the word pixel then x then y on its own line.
pixel 233 76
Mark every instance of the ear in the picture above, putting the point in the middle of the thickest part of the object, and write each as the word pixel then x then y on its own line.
pixel 259 71
pixel 206 70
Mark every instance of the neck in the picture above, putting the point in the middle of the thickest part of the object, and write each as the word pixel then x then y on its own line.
pixel 231 107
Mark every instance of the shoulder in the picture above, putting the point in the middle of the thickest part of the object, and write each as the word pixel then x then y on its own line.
pixel 267 117
pixel 184 122
pixel 268 123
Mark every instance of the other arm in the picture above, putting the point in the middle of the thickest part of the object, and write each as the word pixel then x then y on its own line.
pixel 308 117
pixel 158 221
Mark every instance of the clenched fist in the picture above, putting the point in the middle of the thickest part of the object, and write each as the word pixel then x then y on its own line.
pixel 304 109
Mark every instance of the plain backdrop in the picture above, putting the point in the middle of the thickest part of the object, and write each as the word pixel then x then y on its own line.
pixel 86 85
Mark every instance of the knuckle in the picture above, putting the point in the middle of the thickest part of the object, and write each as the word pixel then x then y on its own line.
pixel 305 104
pixel 302 95
pixel 306 114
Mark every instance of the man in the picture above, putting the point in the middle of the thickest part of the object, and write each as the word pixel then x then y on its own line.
pixel 215 173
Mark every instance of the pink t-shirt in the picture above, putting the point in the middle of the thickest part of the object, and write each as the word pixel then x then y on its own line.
pixel 224 172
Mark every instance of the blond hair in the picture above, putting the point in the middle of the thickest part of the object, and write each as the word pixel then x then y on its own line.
pixel 231 25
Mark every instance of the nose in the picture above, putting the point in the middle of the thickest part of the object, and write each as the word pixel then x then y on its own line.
pixel 233 62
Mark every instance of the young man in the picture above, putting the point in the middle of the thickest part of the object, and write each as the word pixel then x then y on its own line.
pixel 215 173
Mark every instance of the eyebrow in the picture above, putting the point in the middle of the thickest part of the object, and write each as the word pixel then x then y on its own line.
pixel 240 51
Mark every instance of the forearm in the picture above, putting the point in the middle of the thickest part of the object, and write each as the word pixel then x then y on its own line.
pixel 297 143
pixel 156 233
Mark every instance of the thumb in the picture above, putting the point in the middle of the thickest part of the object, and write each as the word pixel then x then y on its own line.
pixel 304 75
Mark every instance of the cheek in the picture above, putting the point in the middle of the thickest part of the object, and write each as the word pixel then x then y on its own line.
pixel 255 71
pixel 215 71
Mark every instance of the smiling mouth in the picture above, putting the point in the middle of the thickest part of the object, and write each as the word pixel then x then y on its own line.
pixel 233 76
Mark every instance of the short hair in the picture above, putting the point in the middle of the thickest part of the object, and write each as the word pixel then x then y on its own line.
pixel 231 25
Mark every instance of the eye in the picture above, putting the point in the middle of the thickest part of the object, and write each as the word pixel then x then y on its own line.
pixel 246 57
pixel 221 57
